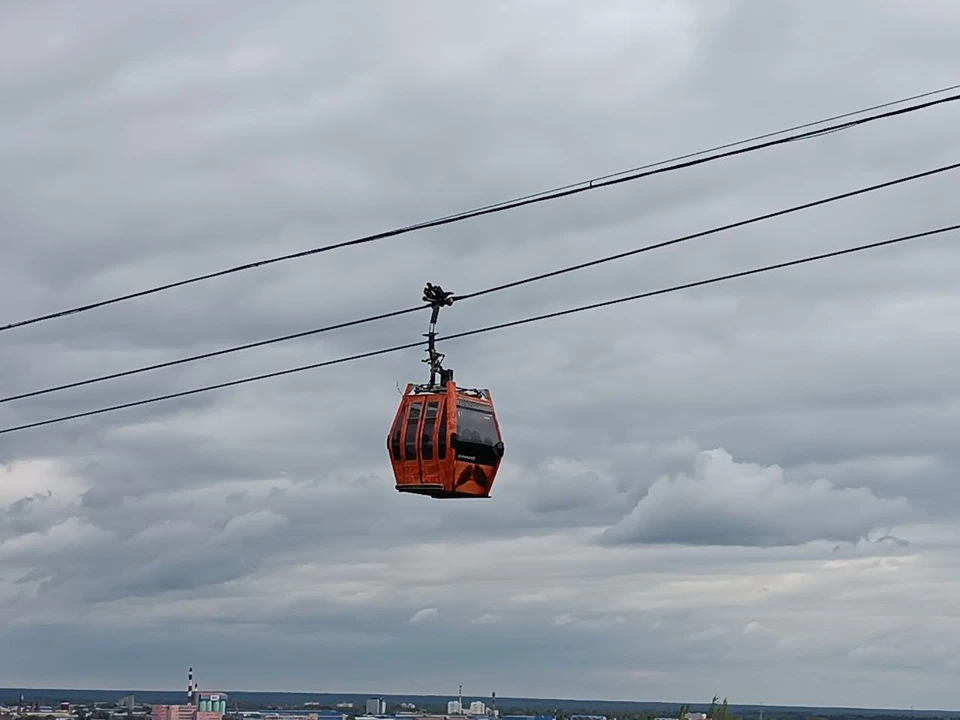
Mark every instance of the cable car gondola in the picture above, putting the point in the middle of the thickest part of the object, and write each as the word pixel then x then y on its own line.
pixel 445 440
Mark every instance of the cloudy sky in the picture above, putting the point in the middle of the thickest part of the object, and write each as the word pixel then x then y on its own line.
pixel 748 489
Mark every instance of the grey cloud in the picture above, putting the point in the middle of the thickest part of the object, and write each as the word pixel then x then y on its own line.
pixel 423 615
pixel 100 499
pixel 730 503
pixel 165 141
pixel 19 516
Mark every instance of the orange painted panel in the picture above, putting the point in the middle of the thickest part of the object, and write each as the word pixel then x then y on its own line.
pixel 426 452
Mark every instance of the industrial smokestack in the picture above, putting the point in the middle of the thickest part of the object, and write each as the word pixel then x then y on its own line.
pixel 190 686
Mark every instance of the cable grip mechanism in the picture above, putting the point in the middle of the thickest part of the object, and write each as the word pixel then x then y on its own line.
pixel 437 298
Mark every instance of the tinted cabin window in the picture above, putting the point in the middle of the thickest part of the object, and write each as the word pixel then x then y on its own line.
pixel 410 441
pixel 429 427
pixel 475 423
pixel 442 432
pixel 395 433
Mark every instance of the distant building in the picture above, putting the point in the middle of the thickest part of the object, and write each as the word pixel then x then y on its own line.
pixel 172 712
pixel 213 701
pixel 182 712
pixel 477 708
pixel 453 708
pixel 376 706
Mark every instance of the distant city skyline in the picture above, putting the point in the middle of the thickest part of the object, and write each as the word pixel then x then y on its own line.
pixel 359 700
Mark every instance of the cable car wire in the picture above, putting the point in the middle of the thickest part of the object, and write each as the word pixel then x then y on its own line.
pixel 564 191
pixel 716 148
pixel 487 329
pixel 479 293
pixel 711 231
pixel 213 353
pixel 486 291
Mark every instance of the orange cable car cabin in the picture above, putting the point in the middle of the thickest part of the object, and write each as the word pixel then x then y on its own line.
pixel 445 441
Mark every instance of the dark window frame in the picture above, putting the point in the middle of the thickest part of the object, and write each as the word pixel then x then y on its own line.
pixel 410 435
pixel 442 431
pixel 396 434
pixel 430 416
pixel 464 407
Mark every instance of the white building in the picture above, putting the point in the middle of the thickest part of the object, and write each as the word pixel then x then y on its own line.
pixel 376 706
pixel 453 708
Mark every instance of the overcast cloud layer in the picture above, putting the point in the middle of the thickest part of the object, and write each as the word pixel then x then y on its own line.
pixel 748 489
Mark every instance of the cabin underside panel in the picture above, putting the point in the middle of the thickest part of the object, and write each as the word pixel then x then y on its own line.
pixel 435 491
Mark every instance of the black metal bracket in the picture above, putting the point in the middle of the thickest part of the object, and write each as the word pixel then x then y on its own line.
pixel 438 298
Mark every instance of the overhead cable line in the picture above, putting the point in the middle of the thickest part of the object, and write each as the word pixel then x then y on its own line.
pixel 486 291
pixel 487 329
pixel 717 148
pixel 213 353
pixel 712 231
pixel 565 191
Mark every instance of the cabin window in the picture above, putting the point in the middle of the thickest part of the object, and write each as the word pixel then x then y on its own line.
pixel 475 423
pixel 410 440
pixel 429 428
pixel 442 433
pixel 395 433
